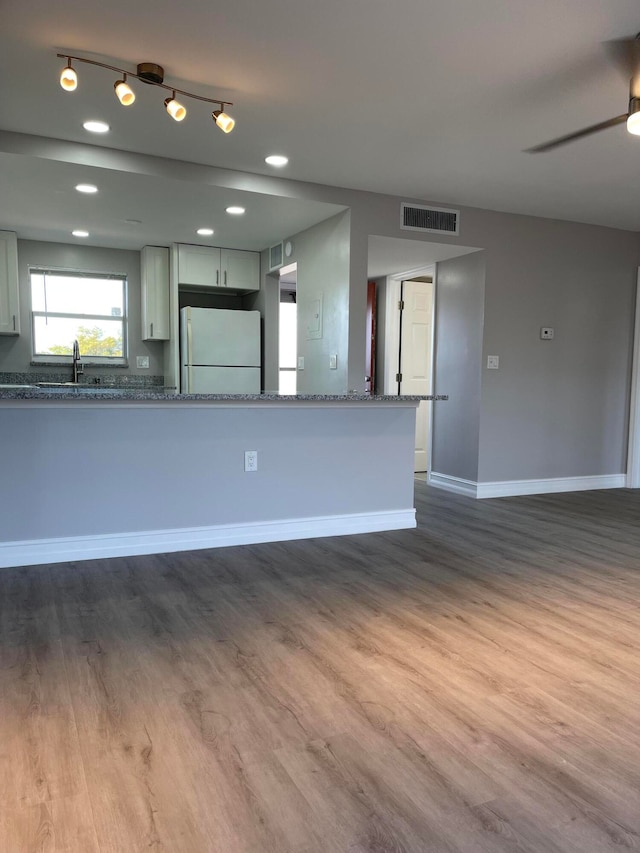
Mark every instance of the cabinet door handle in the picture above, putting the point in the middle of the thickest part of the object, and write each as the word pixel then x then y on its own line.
pixel 217 276
pixel 225 277
pixel 152 330
pixel 14 322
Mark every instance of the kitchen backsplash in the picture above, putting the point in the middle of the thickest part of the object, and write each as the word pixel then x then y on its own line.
pixel 108 380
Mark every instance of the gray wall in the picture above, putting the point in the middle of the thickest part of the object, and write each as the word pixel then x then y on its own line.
pixel 15 352
pixel 313 461
pixel 557 408
pixel 547 412
pixel 322 256
pixel 460 291
pixel 267 302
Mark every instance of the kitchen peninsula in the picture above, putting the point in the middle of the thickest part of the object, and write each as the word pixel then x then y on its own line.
pixel 93 473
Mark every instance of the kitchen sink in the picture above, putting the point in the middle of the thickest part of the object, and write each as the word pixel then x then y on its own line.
pixel 13 387
pixel 59 385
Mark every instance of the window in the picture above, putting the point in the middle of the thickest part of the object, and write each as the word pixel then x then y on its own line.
pixel 88 307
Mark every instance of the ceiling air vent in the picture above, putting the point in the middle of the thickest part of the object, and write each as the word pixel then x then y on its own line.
pixel 436 220
pixel 276 257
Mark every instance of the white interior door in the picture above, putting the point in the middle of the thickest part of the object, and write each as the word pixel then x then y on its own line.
pixel 416 353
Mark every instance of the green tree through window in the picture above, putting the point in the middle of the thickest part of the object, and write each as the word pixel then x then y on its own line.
pixel 92 342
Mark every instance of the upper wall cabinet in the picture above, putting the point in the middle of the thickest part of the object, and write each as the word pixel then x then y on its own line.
pixel 9 290
pixel 154 273
pixel 198 266
pixel 225 269
pixel 240 270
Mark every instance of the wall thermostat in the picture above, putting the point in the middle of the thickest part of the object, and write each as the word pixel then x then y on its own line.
pixel 546 333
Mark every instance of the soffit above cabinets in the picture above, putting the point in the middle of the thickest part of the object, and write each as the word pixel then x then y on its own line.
pixel 39 202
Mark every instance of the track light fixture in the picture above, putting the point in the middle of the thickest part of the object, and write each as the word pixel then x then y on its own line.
pixel 152 74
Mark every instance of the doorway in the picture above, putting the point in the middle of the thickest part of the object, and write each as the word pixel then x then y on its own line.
pixel 287 334
pixel 415 357
pixel 406 335
pixel 392 261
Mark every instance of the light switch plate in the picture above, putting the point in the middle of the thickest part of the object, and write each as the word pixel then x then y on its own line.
pixel 333 361
pixel 493 362
pixel 142 361
pixel 300 362
pixel 546 333
pixel 314 317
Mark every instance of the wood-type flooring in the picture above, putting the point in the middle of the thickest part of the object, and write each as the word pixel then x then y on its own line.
pixel 472 685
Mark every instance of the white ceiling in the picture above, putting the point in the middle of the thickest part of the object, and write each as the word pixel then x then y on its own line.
pixel 421 98
pixel 39 202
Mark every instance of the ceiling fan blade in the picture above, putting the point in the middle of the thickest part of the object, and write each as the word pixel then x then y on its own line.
pixel 570 137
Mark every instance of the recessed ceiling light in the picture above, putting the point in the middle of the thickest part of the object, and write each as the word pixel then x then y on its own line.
pixel 205 232
pixel 235 211
pixel 79 233
pixel 87 188
pixel 278 160
pixel 96 126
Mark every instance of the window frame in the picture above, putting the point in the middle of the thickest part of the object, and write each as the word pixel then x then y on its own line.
pixel 71 272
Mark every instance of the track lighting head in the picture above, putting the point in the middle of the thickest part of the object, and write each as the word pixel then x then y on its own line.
pixel 68 78
pixel 633 119
pixel 175 108
pixel 124 92
pixel 223 120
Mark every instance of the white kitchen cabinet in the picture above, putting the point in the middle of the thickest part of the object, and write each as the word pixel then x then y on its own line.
pixel 9 285
pixel 240 270
pixel 155 293
pixel 218 269
pixel 198 266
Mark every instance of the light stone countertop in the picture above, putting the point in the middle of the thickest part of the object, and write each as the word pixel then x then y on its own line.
pixel 98 393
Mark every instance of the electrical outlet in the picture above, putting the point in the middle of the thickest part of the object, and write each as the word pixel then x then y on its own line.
pixel 493 362
pixel 546 333
pixel 142 361
pixel 251 460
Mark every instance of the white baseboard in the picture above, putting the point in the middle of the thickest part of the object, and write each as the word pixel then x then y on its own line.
pixel 453 484
pixel 551 485
pixel 511 488
pixel 75 548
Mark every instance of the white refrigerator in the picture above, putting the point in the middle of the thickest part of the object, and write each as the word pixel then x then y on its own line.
pixel 219 351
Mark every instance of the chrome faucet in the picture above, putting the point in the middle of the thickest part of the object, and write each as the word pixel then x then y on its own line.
pixel 77 363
